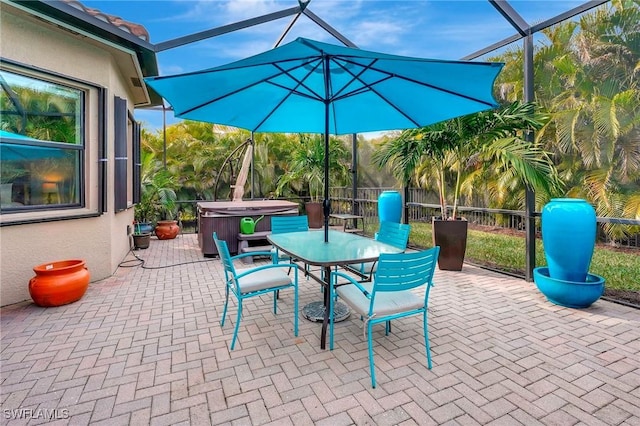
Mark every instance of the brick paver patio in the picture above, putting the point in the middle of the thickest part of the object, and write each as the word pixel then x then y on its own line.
pixel 145 347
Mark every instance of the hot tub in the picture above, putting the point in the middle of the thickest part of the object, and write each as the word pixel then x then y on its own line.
pixel 223 217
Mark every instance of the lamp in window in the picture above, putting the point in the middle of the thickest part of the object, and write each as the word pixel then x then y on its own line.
pixel 50 192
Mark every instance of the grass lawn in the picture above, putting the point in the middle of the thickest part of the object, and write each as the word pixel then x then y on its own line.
pixel 621 269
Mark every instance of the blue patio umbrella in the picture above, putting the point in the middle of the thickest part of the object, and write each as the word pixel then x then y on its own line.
pixel 307 86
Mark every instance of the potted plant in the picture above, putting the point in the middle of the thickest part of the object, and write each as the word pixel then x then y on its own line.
pixel 141 236
pixel 306 173
pixel 451 154
pixel 157 199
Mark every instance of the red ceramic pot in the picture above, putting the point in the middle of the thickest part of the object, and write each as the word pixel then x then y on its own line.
pixel 59 283
pixel 167 229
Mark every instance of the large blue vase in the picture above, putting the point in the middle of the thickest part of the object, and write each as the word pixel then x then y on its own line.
pixel 569 236
pixel 390 206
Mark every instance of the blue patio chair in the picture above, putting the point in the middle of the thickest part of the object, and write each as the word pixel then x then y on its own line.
pixel 392 233
pixel 389 296
pixel 245 283
pixel 282 224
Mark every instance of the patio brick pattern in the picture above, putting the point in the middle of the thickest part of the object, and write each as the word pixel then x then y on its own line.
pixel 145 346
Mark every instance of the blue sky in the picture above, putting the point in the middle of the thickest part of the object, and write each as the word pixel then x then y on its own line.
pixel 423 28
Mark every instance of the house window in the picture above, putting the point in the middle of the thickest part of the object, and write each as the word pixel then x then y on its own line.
pixel 42 144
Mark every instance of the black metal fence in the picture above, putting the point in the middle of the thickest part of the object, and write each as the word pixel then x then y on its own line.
pixel 422 206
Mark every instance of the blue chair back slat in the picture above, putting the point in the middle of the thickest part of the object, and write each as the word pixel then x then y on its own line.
pixel 225 258
pixel 405 271
pixel 282 224
pixel 395 234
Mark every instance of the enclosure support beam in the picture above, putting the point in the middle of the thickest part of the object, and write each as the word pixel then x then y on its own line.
pixel 192 38
pixel 530 201
pixel 535 28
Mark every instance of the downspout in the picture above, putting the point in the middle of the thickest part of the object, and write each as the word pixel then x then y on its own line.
pixel 102 151
pixel 164 135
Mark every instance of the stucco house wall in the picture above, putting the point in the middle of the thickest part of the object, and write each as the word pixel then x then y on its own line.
pixel 102 241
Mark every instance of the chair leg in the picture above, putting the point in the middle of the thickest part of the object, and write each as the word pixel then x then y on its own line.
pixel 371 362
pixel 295 306
pixel 387 328
pixel 426 339
pixel 275 301
pixel 331 307
pixel 235 331
pixel 226 302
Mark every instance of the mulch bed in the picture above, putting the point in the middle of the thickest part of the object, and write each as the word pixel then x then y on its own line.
pixel 623 296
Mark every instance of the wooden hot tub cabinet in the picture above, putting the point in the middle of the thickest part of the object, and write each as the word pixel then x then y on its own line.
pixel 224 218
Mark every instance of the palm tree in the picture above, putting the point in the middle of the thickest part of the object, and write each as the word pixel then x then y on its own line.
pixel 305 174
pixel 587 77
pixel 457 152
pixel 271 155
pixel 158 196
pixel 597 119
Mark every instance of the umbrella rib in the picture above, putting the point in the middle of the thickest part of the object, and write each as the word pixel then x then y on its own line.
pixel 337 96
pixel 300 82
pixel 291 91
pixel 370 87
pixel 440 89
pixel 240 89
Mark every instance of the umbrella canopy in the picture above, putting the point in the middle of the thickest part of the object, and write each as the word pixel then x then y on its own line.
pixel 307 86
pixel 10 152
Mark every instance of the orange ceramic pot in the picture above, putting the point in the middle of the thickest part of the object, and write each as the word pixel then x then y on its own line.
pixel 59 283
pixel 167 229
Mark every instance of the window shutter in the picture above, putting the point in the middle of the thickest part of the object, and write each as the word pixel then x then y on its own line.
pixel 137 162
pixel 120 149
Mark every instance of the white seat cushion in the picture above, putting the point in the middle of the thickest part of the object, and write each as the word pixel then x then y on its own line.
pixel 262 280
pixel 368 267
pixel 387 303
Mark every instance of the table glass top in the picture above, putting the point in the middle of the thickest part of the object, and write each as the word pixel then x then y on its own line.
pixel 342 248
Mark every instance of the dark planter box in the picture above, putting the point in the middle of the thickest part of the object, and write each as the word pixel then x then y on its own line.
pixel 451 236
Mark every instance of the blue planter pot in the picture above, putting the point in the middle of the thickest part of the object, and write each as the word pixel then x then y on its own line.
pixel 390 206
pixel 143 227
pixel 571 294
pixel 568 236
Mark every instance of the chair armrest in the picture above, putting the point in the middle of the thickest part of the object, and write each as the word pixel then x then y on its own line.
pixel 267 266
pixel 255 253
pixel 352 281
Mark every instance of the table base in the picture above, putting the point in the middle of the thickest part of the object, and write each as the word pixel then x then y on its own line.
pixel 314 311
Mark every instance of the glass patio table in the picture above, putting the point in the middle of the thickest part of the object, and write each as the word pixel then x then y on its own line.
pixel 342 249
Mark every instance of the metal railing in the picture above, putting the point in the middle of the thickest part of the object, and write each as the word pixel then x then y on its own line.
pixel 422 206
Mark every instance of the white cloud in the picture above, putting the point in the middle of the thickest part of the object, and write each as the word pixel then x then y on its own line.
pixel 243 9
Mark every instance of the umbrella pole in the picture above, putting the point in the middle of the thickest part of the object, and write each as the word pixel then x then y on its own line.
pixel 326 205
